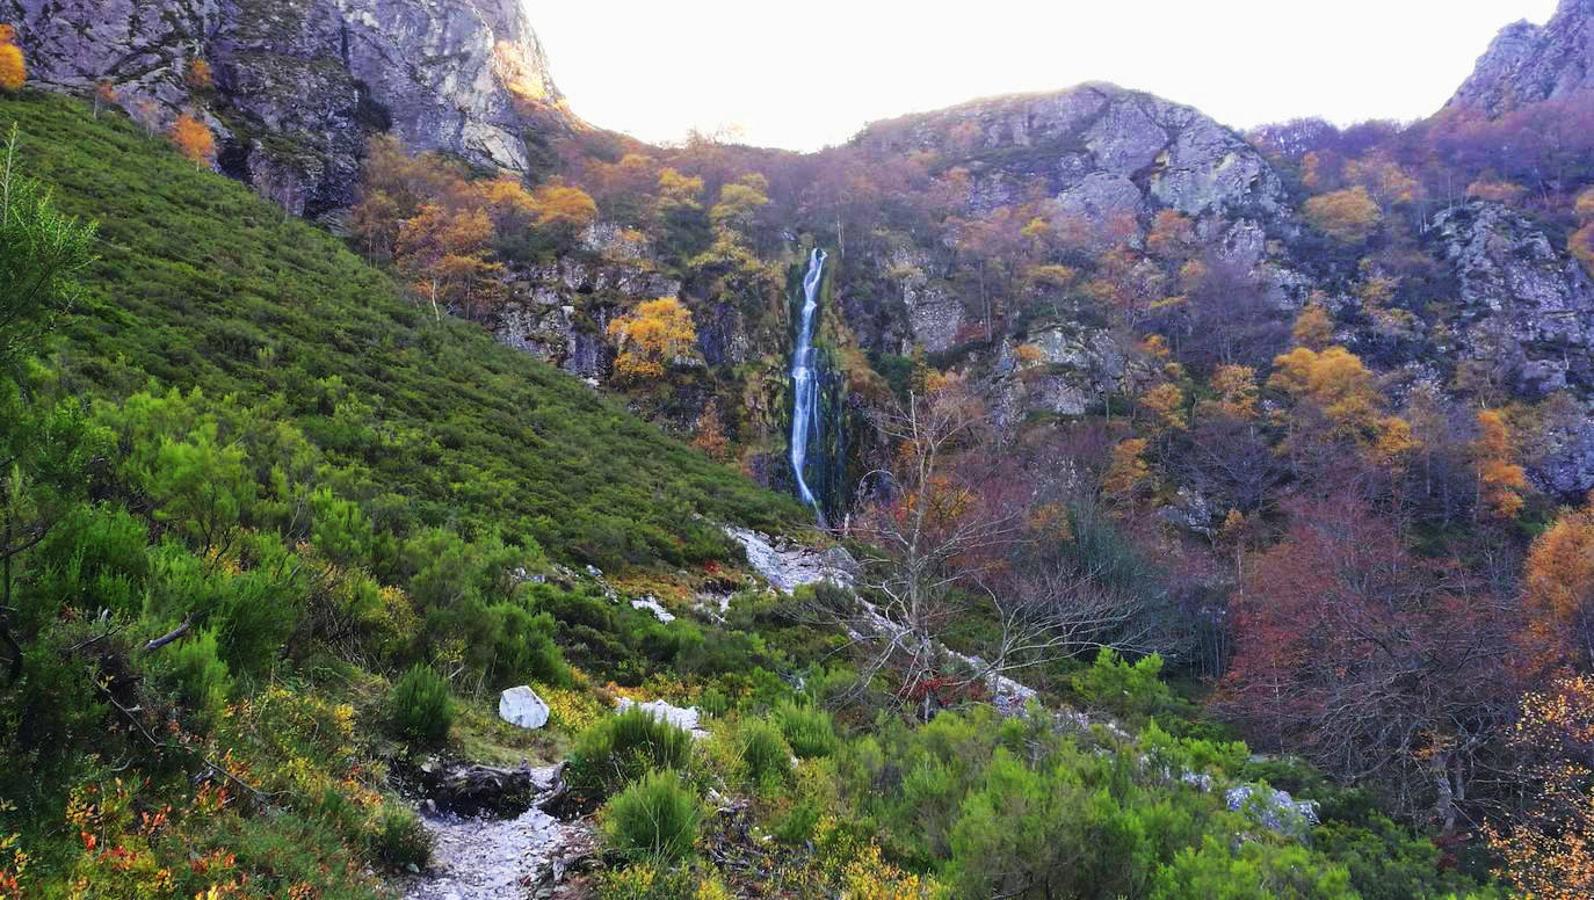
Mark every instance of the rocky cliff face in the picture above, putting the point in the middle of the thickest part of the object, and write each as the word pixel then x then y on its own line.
pixel 1099 149
pixel 299 83
pixel 1528 63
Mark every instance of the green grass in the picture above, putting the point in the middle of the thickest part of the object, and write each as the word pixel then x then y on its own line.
pixel 202 284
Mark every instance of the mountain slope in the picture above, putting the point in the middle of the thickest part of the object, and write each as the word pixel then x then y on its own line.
pixel 202 285
pixel 293 88
pixel 1529 63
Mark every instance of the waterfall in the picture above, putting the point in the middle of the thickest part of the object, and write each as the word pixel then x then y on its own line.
pixel 805 381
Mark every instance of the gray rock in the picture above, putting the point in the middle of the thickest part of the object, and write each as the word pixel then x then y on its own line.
pixel 1527 63
pixel 299 83
pixel 1526 309
pixel 521 706
pixel 683 717
pixel 1273 809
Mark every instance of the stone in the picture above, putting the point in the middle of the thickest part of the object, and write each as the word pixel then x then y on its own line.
pixel 683 717
pixel 789 566
pixel 1273 809
pixel 652 605
pixel 521 706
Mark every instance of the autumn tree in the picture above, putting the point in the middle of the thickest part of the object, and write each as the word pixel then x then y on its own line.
pixel 1501 481
pixel 198 75
pixel 1548 845
pixel 194 140
pixel 1375 664
pixel 563 209
pixel 1558 591
pixel 1127 473
pixel 1349 216
pixel 1314 328
pixel 708 433
pixel 1581 243
pixel 104 95
pixel 444 256
pixel 1337 401
pixel 654 336
pixel 13 67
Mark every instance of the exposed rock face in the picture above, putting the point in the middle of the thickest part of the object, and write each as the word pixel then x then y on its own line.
pixel 1528 63
pixel 299 83
pixel 1099 149
pixel 1527 311
pixel 1109 159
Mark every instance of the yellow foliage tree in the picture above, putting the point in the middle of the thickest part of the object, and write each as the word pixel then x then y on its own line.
pixel 564 206
pixel 1501 482
pixel 740 201
pixel 1337 386
pixel 13 67
pixel 1548 852
pixel 193 139
pixel 657 333
pixel 1558 590
pixel 1127 471
pixel 1164 404
pixel 1236 391
pixel 1349 216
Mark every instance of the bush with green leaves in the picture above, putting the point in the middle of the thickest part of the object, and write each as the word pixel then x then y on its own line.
pixel 622 748
pixel 765 753
pixel 808 730
pixel 1134 691
pixel 201 678
pixel 655 820
pixel 420 706
pixel 399 839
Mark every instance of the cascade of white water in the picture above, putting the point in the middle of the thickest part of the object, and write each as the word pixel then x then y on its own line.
pixel 805 380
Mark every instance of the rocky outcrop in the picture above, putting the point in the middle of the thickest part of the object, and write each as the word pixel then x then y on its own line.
pixel 1526 310
pixel 298 84
pixel 1529 63
pixel 1099 149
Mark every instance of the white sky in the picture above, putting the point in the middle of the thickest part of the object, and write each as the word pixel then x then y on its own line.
pixel 802 75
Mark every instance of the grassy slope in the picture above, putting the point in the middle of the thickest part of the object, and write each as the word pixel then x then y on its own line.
pixel 202 284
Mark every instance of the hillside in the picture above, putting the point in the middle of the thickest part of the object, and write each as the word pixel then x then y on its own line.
pixel 1189 513
pixel 296 533
pixel 200 285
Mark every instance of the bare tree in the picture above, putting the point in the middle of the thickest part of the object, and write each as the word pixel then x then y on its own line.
pixel 953 534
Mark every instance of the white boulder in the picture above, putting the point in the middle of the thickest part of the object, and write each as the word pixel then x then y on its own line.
pixel 521 706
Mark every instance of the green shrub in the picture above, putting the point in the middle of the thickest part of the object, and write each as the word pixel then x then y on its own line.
pixel 399 840
pixel 523 648
pixel 765 753
pixel 655 819
pixel 421 707
pixel 1132 691
pixel 621 749
pixel 809 731
pixel 202 680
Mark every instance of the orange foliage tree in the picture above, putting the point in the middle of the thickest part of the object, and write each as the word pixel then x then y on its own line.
pixel 1558 591
pixel 1501 482
pixel 653 336
pixel 444 255
pixel 13 68
pixel 199 76
pixel 194 140
pixel 1349 216
pixel 1337 400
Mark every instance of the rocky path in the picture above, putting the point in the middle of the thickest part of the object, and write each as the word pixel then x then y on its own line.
pixel 500 859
